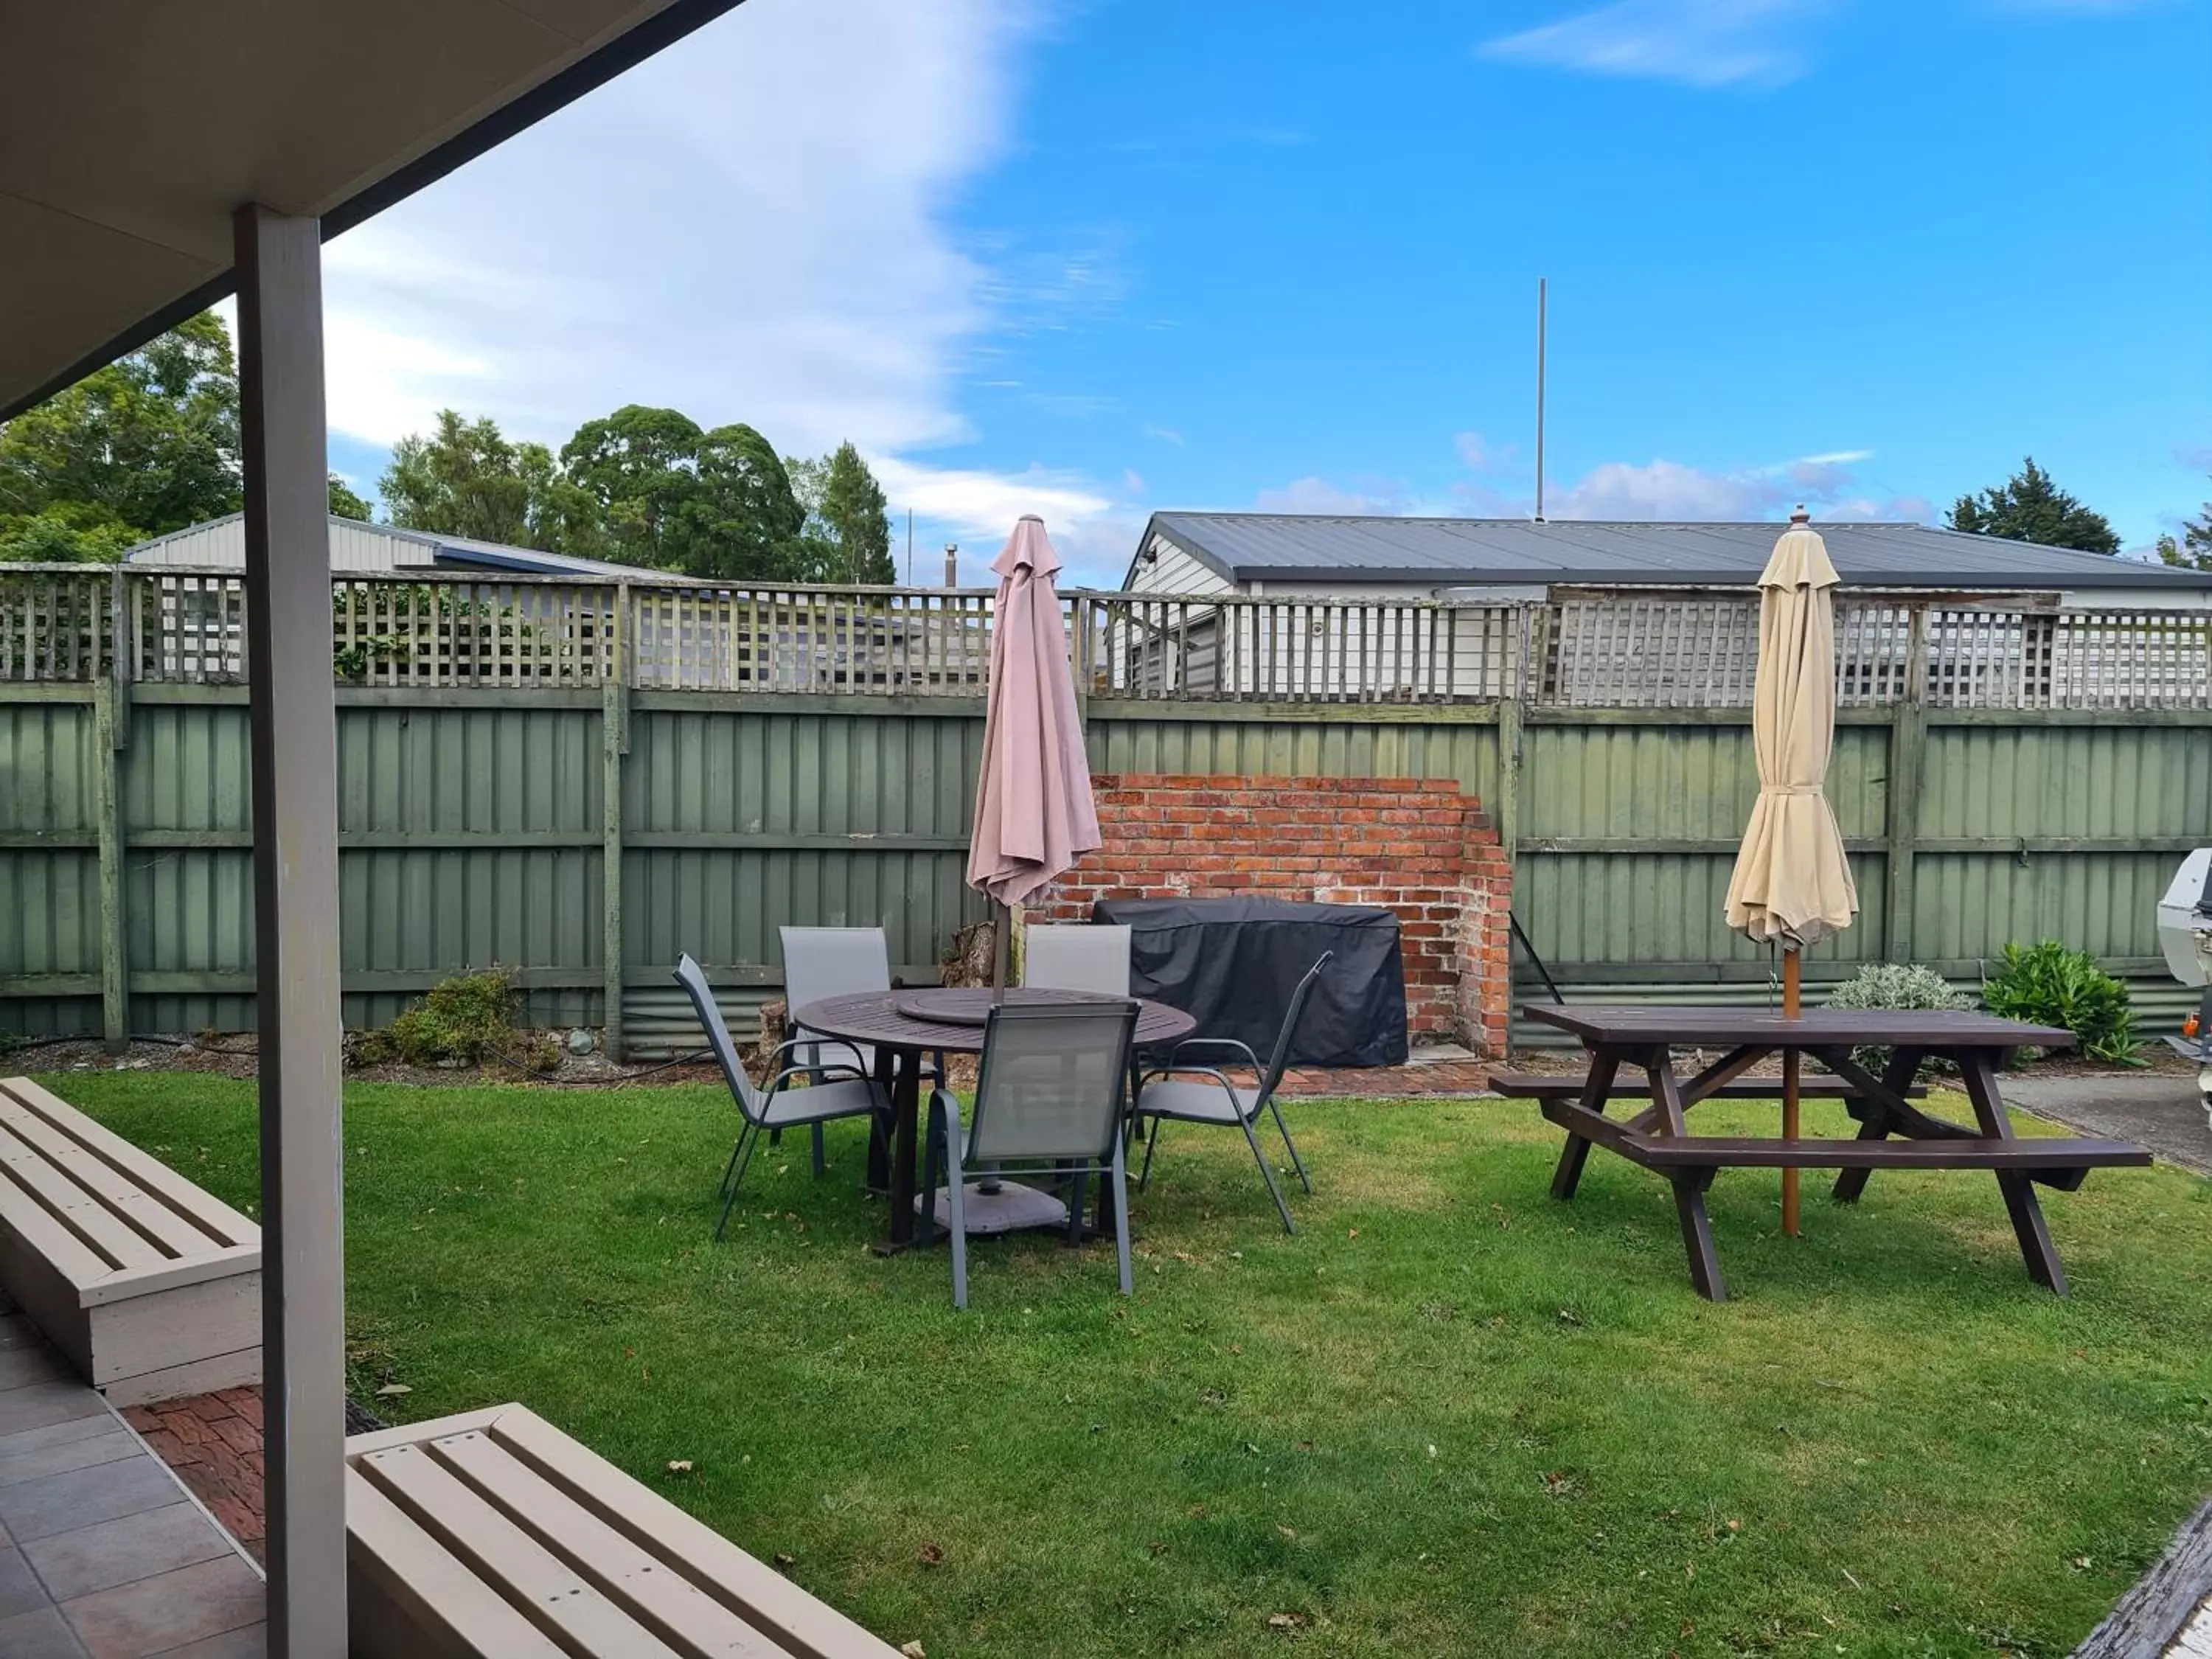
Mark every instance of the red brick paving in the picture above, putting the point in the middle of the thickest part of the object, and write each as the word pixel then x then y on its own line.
pixel 213 1441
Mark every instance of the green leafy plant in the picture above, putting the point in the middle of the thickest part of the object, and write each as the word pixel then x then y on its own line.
pixel 2048 984
pixel 1894 984
pixel 466 1020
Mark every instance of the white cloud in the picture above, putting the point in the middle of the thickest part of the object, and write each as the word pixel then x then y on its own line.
pixel 1888 509
pixel 1165 434
pixel 1312 495
pixel 1702 43
pixel 1094 532
pixel 1664 489
pixel 747 228
pixel 1473 450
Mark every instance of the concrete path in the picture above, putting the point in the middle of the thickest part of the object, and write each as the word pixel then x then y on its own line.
pixel 2157 1109
pixel 102 1554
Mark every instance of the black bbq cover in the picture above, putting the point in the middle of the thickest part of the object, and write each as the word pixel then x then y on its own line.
pixel 1233 963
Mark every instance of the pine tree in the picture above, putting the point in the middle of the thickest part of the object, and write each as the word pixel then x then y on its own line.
pixel 2028 507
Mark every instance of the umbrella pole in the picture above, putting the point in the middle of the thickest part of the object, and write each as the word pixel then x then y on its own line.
pixel 1792 993
pixel 1002 945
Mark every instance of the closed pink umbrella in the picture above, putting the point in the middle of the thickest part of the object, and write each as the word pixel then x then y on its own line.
pixel 1034 816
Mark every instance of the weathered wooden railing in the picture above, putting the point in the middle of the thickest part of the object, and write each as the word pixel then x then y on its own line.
pixel 1620 647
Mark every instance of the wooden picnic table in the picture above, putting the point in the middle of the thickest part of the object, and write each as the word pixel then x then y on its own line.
pixel 1893 1131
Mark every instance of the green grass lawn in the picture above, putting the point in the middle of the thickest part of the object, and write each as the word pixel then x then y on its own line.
pixel 1450 1416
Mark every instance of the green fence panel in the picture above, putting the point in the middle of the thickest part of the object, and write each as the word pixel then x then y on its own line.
pixel 473 823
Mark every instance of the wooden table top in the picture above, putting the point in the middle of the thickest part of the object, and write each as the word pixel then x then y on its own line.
pixel 872 1018
pixel 1728 1028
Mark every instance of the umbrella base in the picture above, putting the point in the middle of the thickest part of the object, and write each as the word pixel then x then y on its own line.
pixel 997 1206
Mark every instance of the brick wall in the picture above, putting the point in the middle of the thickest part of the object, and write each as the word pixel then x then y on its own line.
pixel 1417 845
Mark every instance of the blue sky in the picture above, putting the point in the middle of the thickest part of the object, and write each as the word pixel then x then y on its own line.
pixel 1096 259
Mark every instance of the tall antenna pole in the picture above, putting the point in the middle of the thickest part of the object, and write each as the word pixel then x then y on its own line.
pixel 1540 399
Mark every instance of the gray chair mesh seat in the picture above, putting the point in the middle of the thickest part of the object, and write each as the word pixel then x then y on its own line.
pixel 836 1091
pixel 1048 1100
pixel 1176 1093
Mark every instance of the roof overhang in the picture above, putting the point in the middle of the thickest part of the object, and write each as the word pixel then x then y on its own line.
pixel 131 133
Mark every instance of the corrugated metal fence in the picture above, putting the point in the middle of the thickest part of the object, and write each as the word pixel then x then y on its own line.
pixel 477 811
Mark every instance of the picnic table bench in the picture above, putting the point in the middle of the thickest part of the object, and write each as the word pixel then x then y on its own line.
pixel 1645 1038
pixel 148 1286
pixel 491 1534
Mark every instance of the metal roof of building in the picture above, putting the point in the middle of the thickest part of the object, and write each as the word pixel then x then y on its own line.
pixel 1287 547
pixel 359 547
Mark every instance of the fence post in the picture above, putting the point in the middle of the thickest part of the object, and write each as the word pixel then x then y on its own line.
pixel 111 721
pixel 614 728
pixel 1505 809
pixel 108 730
pixel 1908 748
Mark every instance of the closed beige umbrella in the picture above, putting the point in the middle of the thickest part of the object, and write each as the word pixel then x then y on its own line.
pixel 1792 884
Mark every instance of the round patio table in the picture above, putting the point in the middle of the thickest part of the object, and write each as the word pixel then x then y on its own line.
pixel 902 1026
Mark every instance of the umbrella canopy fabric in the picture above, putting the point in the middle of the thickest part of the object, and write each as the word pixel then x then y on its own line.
pixel 1033 814
pixel 1792 882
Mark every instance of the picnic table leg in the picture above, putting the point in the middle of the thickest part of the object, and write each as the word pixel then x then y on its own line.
pixel 2036 1249
pixel 1697 1233
pixel 1689 1184
pixel 1605 1065
pixel 1904 1066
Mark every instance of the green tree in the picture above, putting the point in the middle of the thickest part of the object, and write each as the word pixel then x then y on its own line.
pixel 561 515
pixel 2028 507
pixel 344 504
pixel 852 505
pixel 848 533
pixel 638 463
pixel 740 519
pixel 2194 551
pixel 814 553
pixel 465 478
pixel 146 445
pixel 462 478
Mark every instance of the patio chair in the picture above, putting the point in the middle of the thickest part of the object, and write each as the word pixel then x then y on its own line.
pixel 1077 958
pixel 836 1091
pixel 1162 1095
pixel 831 961
pixel 1081 957
pixel 1048 1096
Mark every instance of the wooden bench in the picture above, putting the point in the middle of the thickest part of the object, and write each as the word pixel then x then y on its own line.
pixel 493 1535
pixel 1545 1086
pixel 2061 1162
pixel 151 1287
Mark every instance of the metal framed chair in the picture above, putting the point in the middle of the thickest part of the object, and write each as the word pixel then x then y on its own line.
pixel 837 1091
pixel 831 961
pixel 1077 958
pixel 1048 1098
pixel 1162 1095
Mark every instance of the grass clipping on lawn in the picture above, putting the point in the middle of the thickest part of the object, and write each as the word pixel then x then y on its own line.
pixel 1450 1416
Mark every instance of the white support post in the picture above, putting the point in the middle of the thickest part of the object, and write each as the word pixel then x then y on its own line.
pixel 296 897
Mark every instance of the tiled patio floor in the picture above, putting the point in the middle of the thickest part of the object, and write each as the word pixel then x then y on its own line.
pixel 102 1554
